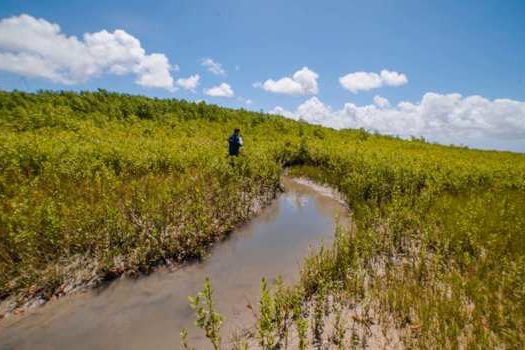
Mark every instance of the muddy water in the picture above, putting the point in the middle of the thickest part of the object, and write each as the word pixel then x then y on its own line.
pixel 149 312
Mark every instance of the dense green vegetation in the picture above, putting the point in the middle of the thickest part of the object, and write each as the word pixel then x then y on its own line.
pixel 111 183
pixel 96 184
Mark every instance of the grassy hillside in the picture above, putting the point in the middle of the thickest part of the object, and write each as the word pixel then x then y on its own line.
pixel 96 184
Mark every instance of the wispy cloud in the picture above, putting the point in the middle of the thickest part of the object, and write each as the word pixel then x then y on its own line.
pixel 212 66
pixel 381 102
pixel 246 101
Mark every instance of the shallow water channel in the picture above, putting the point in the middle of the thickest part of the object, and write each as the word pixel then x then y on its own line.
pixel 149 312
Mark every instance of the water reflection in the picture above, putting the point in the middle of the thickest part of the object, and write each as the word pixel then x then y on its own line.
pixel 150 312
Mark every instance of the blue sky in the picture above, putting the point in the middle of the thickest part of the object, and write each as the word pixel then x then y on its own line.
pixel 471 48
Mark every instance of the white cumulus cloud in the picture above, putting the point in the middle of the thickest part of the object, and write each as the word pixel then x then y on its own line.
pixel 190 83
pixel 447 118
pixel 222 90
pixel 391 78
pixel 37 48
pixel 212 66
pixel 364 81
pixel 303 82
pixel 381 102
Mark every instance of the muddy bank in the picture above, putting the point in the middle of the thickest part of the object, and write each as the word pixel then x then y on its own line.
pixel 149 312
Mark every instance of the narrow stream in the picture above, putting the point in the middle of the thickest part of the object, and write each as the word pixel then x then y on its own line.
pixel 149 312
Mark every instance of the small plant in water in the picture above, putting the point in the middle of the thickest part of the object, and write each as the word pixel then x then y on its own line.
pixel 265 322
pixel 184 340
pixel 284 300
pixel 208 318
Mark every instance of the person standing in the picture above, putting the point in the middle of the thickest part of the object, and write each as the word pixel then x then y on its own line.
pixel 235 143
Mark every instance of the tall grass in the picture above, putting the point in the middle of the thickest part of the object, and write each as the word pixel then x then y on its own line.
pixel 111 183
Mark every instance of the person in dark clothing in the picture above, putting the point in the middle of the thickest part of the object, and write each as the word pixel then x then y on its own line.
pixel 235 143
